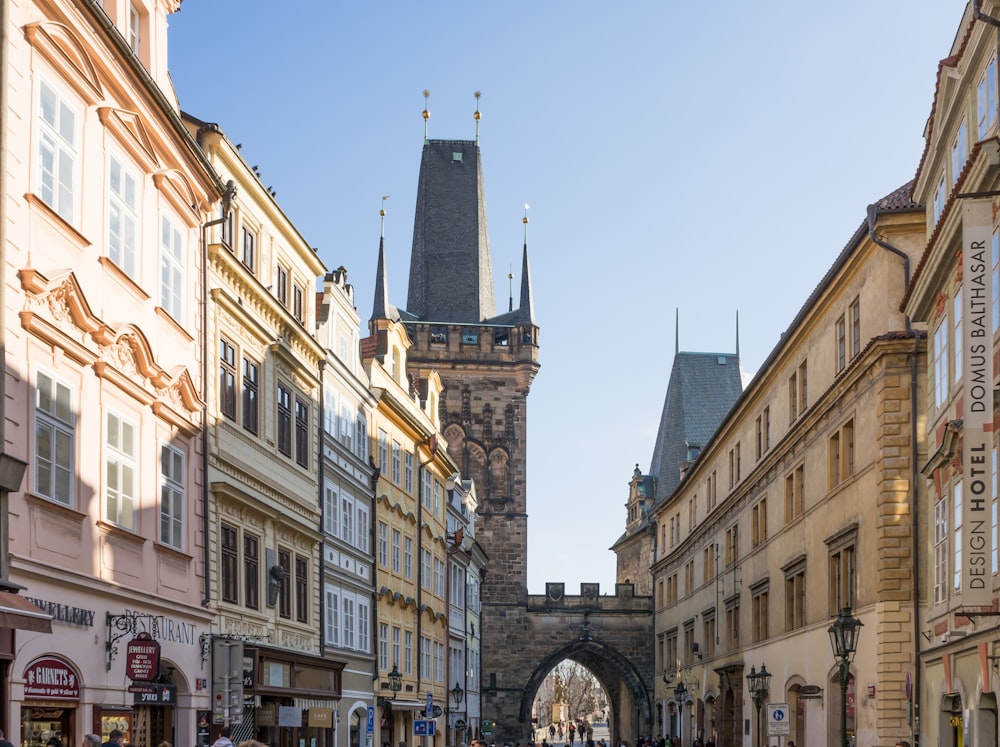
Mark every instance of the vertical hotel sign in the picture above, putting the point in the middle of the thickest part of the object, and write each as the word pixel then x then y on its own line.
pixel 977 394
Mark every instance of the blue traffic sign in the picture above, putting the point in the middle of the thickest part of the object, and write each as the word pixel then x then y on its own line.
pixel 371 719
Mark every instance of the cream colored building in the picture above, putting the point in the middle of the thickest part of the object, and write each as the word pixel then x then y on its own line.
pixel 955 291
pixel 103 198
pixel 801 504
pixel 348 496
pixel 415 475
pixel 264 515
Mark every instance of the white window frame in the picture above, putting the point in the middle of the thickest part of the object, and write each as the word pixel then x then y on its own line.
pixel 959 151
pixel 383 544
pixel 408 652
pixel 55 424
pixel 172 470
pixel 173 256
pixel 123 214
pixel 120 461
pixel 331 512
pixel 940 363
pixel 986 98
pixel 332 615
pixel 58 152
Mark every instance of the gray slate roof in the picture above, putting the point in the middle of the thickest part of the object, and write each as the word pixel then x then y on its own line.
pixel 703 388
pixel 451 274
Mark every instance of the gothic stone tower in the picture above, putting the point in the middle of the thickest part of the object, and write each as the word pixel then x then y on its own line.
pixel 486 363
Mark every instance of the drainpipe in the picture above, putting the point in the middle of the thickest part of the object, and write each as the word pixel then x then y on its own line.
pixel 979 15
pixel 914 468
pixel 322 510
pixel 227 201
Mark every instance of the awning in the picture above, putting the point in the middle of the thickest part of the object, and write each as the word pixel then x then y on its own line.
pixel 408 705
pixel 17 612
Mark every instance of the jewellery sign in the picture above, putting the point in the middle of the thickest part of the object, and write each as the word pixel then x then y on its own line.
pixel 142 658
pixel 49 678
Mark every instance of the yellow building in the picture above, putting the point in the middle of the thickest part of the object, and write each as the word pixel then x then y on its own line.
pixel 799 505
pixel 415 476
pixel 263 520
pixel 955 291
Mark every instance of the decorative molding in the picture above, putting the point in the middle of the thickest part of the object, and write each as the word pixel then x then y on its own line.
pixel 64 51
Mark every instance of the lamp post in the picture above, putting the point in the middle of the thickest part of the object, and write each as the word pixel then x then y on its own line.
pixel 457 693
pixel 758 684
pixel 680 692
pixel 844 641
pixel 395 685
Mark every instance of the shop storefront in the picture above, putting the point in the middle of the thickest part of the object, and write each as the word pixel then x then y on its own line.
pixel 65 686
pixel 51 700
pixel 289 699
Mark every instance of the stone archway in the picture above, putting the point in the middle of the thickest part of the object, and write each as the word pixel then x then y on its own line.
pixel 609 635
pixel 628 696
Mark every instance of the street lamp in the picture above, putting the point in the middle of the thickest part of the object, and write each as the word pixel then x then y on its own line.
pixel 758 684
pixel 680 692
pixel 395 684
pixel 844 640
pixel 457 693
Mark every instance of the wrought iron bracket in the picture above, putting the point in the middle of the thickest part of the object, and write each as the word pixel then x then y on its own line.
pixel 120 626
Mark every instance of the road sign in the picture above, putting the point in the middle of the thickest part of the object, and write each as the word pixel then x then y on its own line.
pixel 486 728
pixel 436 711
pixel 371 719
pixel 430 704
pixel 778 723
pixel 423 727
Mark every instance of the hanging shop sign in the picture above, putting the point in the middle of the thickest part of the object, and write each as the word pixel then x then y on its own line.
pixel 51 678
pixel 152 693
pixel 142 658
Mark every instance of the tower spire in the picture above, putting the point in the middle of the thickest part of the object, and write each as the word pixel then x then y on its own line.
pixel 381 308
pixel 737 334
pixel 477 116
pixel 677 330
pixel 426 114
pixel 527 312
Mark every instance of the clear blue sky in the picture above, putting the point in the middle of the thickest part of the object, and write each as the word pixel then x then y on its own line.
pixel 711 157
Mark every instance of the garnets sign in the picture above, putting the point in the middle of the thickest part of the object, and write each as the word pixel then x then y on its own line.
pixel 50 678
pixel 142 658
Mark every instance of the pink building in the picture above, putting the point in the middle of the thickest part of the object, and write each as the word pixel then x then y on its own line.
pixel 104 196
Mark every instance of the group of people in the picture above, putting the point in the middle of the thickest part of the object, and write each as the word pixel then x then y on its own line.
pixel 584 730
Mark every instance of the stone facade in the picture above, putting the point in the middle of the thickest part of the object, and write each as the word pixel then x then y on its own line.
pixel 802 504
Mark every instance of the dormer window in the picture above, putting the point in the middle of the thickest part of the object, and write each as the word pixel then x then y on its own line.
pixel 134 28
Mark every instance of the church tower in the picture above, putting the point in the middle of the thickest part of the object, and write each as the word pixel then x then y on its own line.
pixel 486 363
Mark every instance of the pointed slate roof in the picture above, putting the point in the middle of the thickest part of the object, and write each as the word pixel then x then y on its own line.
pixel 703 388
pixel 451 273
pixel 382 309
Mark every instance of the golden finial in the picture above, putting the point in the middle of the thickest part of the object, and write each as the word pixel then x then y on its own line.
pixel 382 214
pixel 524 220
pixel 426 114
pixel 477 116
pixel 510 289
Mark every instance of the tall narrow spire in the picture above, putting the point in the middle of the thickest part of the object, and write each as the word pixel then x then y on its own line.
pixel 526 309
pixel 381 309
pixel 737 334
pixel 477 116
pixel 426 113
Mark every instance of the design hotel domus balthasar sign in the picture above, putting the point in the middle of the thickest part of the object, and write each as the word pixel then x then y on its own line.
pixel 142 658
